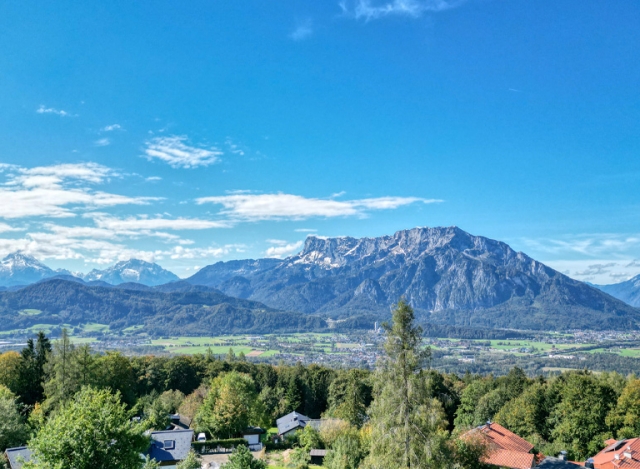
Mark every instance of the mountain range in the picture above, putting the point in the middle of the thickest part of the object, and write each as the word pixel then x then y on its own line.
pixel 451 278
pixel 19 269
pixel 448 275
pixel 628 291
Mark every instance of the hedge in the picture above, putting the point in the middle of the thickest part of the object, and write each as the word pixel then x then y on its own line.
pixel 212 445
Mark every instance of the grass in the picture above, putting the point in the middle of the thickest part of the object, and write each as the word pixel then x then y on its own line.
pixel 95 327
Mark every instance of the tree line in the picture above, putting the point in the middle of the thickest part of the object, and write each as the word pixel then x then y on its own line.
pixel 414 414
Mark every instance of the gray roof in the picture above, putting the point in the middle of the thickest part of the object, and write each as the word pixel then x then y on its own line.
pixel 18 456
pixel 170 445
pixel 290 422
pixel 555 463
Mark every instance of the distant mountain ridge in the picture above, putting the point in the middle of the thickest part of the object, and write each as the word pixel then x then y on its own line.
pixel 133 270
pixel 628 291
pixel 19 269
pixel 448 275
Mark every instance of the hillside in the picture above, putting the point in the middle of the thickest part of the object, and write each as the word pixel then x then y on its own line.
pixel 628 291
pixel 188 311
pixel 449 276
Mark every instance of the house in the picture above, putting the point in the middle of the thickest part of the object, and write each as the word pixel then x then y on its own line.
pixel 619 454
pixel 169 447
pixel 17 456
pixel 252 435
pixel 505 448
pixel 291 423
pixel 317 456
pixel 557 463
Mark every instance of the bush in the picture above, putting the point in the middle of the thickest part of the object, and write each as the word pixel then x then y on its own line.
pixel 204 447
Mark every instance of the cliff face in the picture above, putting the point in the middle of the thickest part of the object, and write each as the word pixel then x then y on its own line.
pixel 446 274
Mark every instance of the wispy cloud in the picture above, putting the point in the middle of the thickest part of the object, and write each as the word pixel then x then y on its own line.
pixel 282 248
pixel 371 9
pixel 288 206
pixel 111 128
pixel 103 142
pixel 49 110
pixel 155 223
pixel 587 244
pixel 596 269
pixel 54 191
pixel 302 31
pixel 305 230
pixel 175 151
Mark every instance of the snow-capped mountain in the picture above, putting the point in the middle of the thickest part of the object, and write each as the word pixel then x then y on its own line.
pixel 21 269
pixel 447 274
pixel 133 270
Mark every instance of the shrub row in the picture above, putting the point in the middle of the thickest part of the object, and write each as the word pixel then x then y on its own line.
pixel 208 446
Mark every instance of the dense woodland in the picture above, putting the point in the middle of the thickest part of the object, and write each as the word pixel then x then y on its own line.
pixel 413 413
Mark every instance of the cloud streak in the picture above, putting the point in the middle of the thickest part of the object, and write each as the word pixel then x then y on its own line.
pixel 371 10
pixel 253 207
pixel 302 31
pixel 49 110
pixel 54 191
pixel 282 248
pixel 176 151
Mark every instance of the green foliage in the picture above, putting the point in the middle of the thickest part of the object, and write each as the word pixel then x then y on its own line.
pixel 580 416
pixel 349 396
pixel 13 431
pixel 205 446
pixel 299 459
pixel 192 461
pixel 309 438
pixel 241 458
pixel 408 426
pixel 150 463
pixel 91 430
pixel 625 417
pixel 31 374
pixel 230 407
pixel 346 452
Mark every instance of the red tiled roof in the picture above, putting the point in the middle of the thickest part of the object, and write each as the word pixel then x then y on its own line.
pixel 506 449
pixel 623 454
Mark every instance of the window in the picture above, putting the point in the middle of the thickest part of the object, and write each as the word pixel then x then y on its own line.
pixel 169 444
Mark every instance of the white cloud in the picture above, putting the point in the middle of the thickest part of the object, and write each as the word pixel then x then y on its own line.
pixel 282 248
pixel 103 142
pixel 305 230
pixel 153 179
pixel 601 271
pixel 372 9
pixel 111 128
pixel 147 223
pixel 4 228
pixel 174 151
pixel 49 110
pixel 302 31
pixel 54 191
pixel 587 244
pixel 289 206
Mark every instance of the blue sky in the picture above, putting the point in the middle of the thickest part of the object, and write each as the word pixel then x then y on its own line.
pixel 192 132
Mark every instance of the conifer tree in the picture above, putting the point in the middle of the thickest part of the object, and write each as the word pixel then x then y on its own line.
pixel 408 426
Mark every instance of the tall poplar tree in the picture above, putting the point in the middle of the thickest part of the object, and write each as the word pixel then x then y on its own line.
pixel 408 426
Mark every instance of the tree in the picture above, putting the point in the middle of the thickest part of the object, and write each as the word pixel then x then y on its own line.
pixel 346 452
pixel 192 461
pixel 241 458
pixel 62 372
pixel 91 430
pixel 230 407
pixel 13 431
pixel 580 416
pixel 408 426
pixel 10 370
pixel 31 374
pixel 349 396
pixel 299 458
pixel 309 438
pixel 625 417
pixel 150 463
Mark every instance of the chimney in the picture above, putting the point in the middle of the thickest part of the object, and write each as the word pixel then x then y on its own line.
pixel 562 456
pixel 589 464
